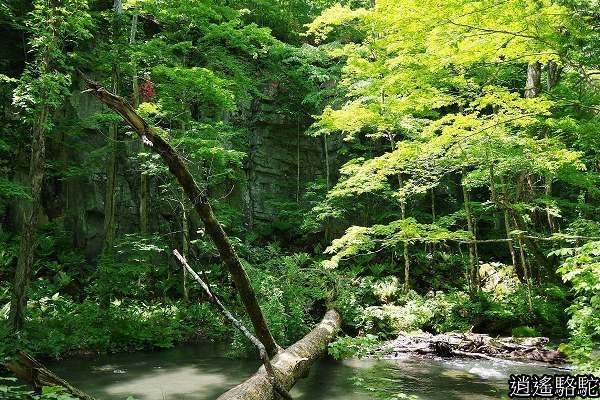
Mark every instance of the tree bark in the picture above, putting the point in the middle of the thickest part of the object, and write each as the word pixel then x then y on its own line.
pixel 553 74
pixel 18 304
pixel 201 204
pixel 289 365
pixel 518 268
pixel 406 267
pixel 111 169
pixel 533 86
pixel 433 217
pixel 474 270
pixel 185 244
pixel 144 196
pixel 548 193
pixel 110 195
pixel 538 254
pixel 298 160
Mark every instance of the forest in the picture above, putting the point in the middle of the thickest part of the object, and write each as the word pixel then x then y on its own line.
pixel 374 199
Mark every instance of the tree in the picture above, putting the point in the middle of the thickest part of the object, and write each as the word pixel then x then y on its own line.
pixel 202 206
pixel 415 78
pixel 42 89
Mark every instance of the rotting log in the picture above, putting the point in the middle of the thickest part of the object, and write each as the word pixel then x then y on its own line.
pixel 290 364
pixel 29 370
pixel 201 204
pixel 472 345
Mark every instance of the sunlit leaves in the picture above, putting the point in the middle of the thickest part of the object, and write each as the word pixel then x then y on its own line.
pixel 361 241
pixel 178 87
pixel 582 269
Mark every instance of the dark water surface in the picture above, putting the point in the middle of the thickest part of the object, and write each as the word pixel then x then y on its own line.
pixel 203 372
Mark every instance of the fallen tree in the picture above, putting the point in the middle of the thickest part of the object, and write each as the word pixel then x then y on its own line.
pixel 278 375
pixel 289 365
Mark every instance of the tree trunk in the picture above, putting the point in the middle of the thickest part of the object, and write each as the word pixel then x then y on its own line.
pixel 298 160
pixel 433 205
pixel 144 196
pixel 474 270
pixel 538 254
pixel 289 365
pixel 111 184
pixel 525 271
pixel 553 74
pixel 134 81
pixel 518 268
pixel 326 162
pixel 18 305
pixel 548 193
pixel 534 84
pixel 406 268
pixel 327 223
pixel 29 370
pixel 532 89
pixel 144 178
pixel 185 245
pixel 202 206
pixel 111 169
pixel 275 384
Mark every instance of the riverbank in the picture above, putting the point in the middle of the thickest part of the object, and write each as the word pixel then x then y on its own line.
pixel 472 345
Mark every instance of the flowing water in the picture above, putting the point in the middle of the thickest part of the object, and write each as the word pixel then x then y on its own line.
pixel 203 372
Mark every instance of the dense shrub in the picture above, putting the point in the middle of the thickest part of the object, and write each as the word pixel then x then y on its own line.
pixel 57 326
pixel 380 307
pixel 582 269
pixel 9 390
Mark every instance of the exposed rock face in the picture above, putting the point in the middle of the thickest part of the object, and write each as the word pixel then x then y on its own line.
pixel 281 161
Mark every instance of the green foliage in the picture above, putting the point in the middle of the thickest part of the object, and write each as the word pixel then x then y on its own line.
pixel 352 347
pixel 362 240
pixel 130 269
pixel 423 104
pixel 52 27
pixel 290 288
pixel 381 307
pixel 524 331
pixel 582 270
pixel 179 88
pixel 10 390
pixel 58 326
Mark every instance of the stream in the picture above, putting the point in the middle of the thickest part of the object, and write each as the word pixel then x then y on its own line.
pixel 203 372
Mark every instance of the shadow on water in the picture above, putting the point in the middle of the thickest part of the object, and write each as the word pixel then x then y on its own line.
pixel 202 372
pixel 186 372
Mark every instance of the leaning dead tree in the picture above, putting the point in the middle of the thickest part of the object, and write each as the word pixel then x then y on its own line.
pixel 275 384
pixel 201 204
pixel 286 366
